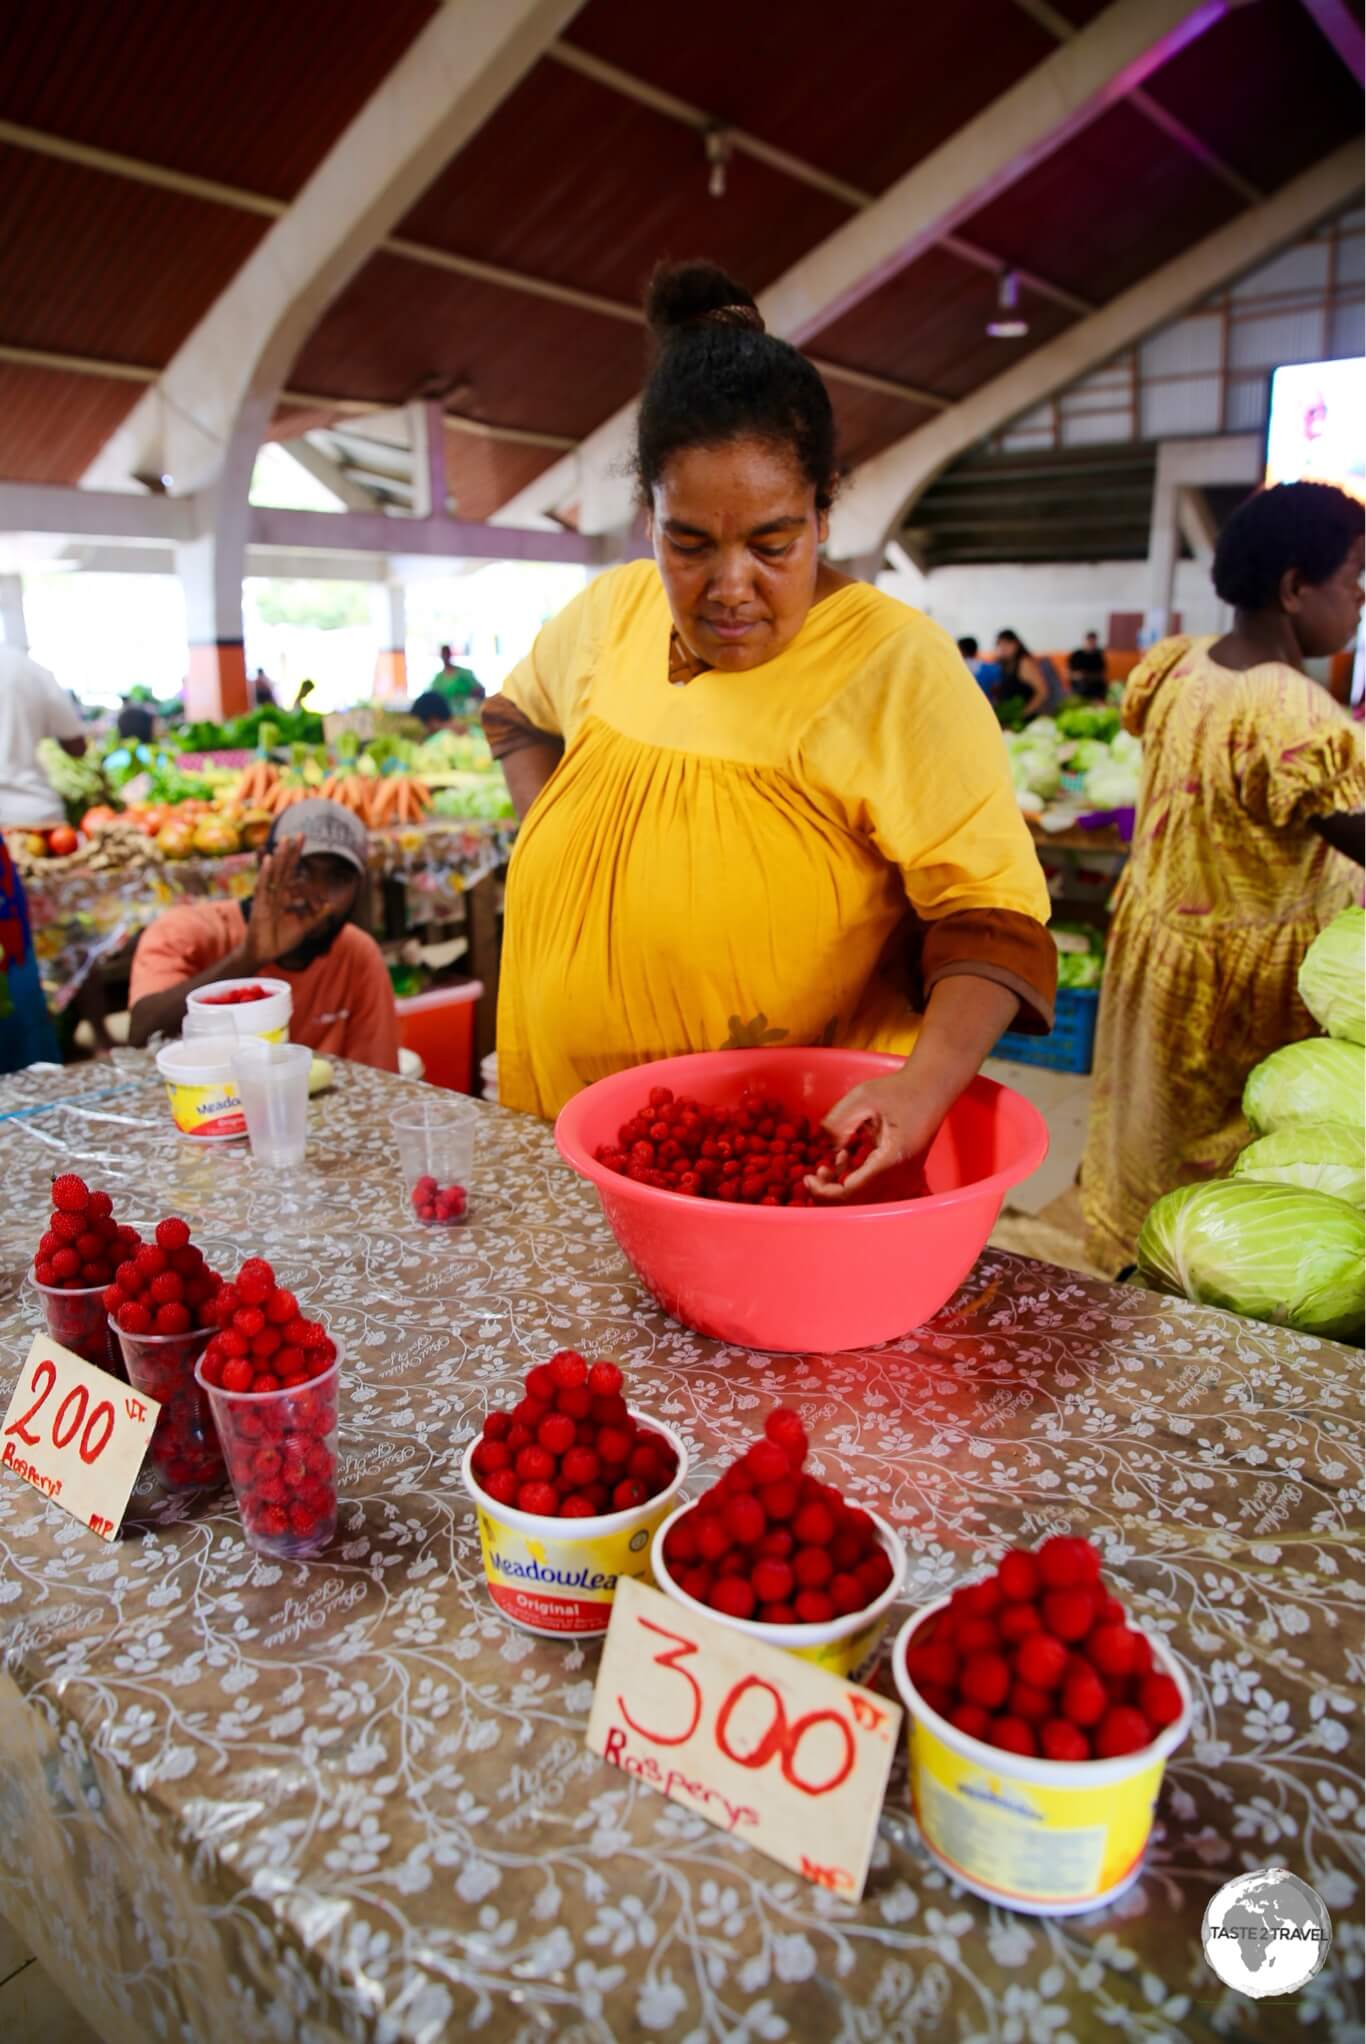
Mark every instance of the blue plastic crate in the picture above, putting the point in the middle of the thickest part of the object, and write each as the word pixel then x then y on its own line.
pixel 1070 1046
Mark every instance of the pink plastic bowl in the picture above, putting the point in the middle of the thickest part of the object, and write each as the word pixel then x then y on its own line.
pixel 812 1278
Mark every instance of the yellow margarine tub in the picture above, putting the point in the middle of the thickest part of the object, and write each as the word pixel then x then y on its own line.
pixel 205 1103
pixel 207 1014
pixel 558 1576
pixel 1048 1837
pixel 842 1646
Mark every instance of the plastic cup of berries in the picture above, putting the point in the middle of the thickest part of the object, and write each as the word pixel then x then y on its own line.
pixel 1028 1694
pixel 436 1153
pixel 555 1570
pixel 76 1317
pixel 845 1641
pixel 184 1451
pixel 280 1447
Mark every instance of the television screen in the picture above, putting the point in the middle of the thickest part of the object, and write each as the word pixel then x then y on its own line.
pixel 1316 430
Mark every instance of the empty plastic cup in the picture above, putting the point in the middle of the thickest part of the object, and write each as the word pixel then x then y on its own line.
pixel 272 1079
pixel 281 1452
pixel 184 1451
pixel 436 1151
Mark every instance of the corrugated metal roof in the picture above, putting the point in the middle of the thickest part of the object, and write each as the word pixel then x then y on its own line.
pixel 248 94
pixel 52 425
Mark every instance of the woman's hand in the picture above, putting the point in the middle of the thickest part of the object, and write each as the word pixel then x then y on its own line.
pixel 904 1120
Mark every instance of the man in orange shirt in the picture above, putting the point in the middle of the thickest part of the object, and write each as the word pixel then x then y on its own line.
pixel 297 927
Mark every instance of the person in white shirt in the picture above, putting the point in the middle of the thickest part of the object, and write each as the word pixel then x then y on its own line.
pixel 32 707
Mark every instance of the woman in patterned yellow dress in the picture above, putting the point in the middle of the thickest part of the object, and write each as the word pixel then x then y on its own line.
pixel 763 802
pixel 1248 821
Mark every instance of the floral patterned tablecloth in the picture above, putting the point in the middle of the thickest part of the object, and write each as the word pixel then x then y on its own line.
pixel 241 1800
pixel 80 917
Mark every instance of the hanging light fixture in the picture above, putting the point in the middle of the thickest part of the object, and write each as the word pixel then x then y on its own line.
pixel 718 156
pixel 1008 325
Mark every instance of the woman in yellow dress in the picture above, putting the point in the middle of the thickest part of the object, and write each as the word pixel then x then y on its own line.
pixel 763 803
pixel 1248 820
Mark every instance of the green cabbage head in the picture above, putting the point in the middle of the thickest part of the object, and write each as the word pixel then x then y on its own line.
pixel 1318 1156
pixel 1318 1080
pixel 1333 977
pixel 1269 1252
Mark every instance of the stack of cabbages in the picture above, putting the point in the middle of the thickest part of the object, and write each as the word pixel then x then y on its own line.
pixel 1283 1238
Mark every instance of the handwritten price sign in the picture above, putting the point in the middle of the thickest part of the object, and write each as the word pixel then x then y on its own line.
pixel 76 1434
pixel 788 1757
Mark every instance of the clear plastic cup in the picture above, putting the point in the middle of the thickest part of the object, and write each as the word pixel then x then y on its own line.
pixel 436 1152
pixel 281 1452
pixel 79 1322
pixel 272 1079
pixel 184 1451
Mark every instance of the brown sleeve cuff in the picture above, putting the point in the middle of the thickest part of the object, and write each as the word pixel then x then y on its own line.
pixel 508 730
pixel 1001 945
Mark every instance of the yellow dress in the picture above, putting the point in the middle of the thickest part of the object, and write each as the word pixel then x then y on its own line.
pixel 1224 891
pixel 730 862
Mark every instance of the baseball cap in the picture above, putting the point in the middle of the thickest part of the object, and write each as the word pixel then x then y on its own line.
pixel 324 827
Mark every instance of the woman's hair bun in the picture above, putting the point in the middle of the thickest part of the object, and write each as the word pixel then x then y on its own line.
pixel 681 295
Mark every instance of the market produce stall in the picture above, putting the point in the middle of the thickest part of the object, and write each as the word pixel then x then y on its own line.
pixel 349 1800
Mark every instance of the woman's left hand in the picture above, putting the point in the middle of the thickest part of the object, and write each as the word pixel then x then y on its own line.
pixel 905 1119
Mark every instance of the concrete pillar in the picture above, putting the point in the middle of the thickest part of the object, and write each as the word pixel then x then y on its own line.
pixel 210 569
pixel 13 629
pixel 391 662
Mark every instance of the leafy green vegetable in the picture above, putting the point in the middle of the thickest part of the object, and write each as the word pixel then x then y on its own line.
pixel 1320 1156
pixel 263 728
pixel 1271 1252
pixel 1088 720
pixel 1318 1080
pixel 1333 977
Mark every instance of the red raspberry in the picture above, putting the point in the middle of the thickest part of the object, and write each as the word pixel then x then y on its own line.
pixel 1015 1622
pixel 579 1468
pixel 172 1318
pixel 130 1279
pixel 237 1374
pixel 316 1336
pixel 255 1272
pixel 135 1319
pixel 1083 1696
pixel 502 1487
pixel 114 1297
pixel 1012 1735
pixel 1159 1699
pixel 265 1380
pixel 874 1574
pixel 777 1542
pixel 1061 1741
pixel 649 1465
pixel 713 1537
pixel 172 1233
pixel 281 1308
pixel 1109 1611
pixel 971 1719
pixel 978 1636
pixel 1068 1613
pixel 847 1593
pixel 496 1425
pixel 577 1506
pixel 681 1545
pixel 66 1264
pixel 609 1411
pixel 784 1427
pixel 780 1501
pixel 614 1444
pixel 213 1370
pixel 576 1404
pixel 92 1274
pixel 744 1516
pixel 629 1494
pixel 569 1369
pixel 556 1434
pixel 1122 1730
pixel 981 1600
pixel 812 1567
pixel 766 1462
pixel 1019 1577
pixel 99 1206
pixel 813 1607
pixel 772 1581
pixel 604 1379
pixel 151 1261
pixel 44 1273
pixel 528 1412
pixel 491 1455
pixel 1142 1654
pixel 67 1227
pixel 1040 1660
pixel 985 1679
pixel 1033 1705
pixel 187 1262
pixel 1110 1648
pixel 733 1596
pixel 289 1360
pixel 781 1613
pixel 167 1289
pixel 814 1525
pixel 535 1464
pixel 1068 1564
pixel 49 1245
pixel 540 1383
pixel 934 1662
pixel 89 1247
pixel 541 1499
pixel 70 1194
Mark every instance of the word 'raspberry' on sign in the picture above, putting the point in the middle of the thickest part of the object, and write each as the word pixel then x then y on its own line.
pixel 779 1752
pixel 77 1434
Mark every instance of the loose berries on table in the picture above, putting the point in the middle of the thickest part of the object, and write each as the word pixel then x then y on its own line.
pixel 1038 1659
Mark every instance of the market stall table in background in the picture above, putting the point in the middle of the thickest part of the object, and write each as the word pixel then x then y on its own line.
pixel 347 1800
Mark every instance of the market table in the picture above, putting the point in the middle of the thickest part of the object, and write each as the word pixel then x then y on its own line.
pixel 244 1800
